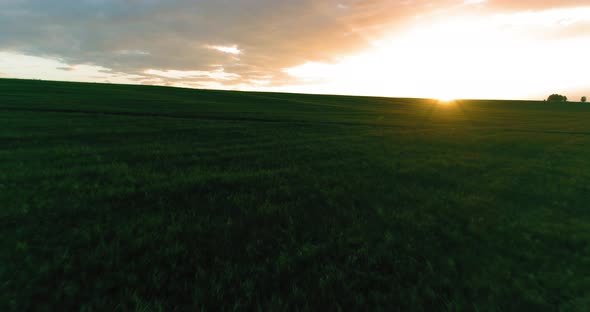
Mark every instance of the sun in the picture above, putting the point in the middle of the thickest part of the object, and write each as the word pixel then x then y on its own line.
pixel 446 99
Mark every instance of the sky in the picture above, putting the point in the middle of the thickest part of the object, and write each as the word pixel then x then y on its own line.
pixel 448 49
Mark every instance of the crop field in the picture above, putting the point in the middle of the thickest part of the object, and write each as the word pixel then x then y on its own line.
pixel 118 198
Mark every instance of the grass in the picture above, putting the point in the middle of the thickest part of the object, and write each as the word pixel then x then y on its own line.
pixel 144 198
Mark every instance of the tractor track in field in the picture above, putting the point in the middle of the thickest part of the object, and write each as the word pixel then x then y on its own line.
pixel 139 114
pixel 201 117
pixel 563 132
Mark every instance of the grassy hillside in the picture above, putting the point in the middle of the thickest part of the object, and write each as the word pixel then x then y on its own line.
pixel 148 198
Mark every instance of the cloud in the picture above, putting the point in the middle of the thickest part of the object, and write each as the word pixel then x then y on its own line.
pixel 134 36
pixel 547 18
pixel 219 74
pixel 226 49
pixel 513 5
pixel 558 23
pixel 468 2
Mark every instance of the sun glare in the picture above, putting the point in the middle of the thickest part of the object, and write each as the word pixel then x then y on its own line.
pixel 465 57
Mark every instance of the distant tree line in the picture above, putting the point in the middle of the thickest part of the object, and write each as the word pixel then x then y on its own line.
pixel 563 98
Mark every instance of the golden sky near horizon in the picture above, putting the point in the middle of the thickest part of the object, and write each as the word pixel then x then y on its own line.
pixel 497 49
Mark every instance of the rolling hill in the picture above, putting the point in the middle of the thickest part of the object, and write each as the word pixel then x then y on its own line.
pixel 120 197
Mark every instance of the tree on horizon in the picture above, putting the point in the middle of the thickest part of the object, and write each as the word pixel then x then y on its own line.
pixel 584 99
pixel 557 98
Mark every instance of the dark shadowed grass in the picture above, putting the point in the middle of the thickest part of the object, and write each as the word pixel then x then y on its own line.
pixel 148 198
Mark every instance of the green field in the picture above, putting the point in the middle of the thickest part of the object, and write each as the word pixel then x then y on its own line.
pixel 117 198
